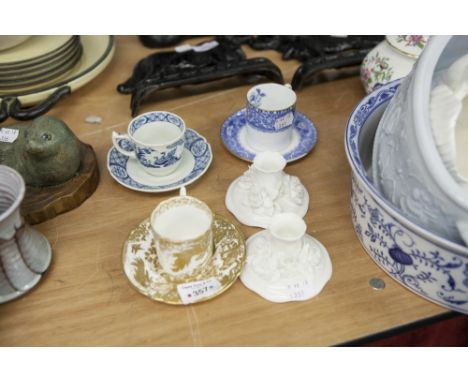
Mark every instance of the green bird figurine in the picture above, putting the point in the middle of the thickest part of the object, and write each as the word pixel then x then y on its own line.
pixel 45 153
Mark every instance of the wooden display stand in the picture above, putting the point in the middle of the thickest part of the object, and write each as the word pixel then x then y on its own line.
pixel 42 204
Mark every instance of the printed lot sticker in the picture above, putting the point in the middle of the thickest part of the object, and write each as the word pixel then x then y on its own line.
pixel 198 290
pixel 8 135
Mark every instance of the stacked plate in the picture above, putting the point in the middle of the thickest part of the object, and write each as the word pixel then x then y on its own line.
pixel 34 69
pixel 37 62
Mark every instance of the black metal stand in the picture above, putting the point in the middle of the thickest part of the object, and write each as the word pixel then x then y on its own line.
pixel 172 69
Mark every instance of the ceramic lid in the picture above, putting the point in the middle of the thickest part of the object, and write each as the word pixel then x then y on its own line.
pixel 410 45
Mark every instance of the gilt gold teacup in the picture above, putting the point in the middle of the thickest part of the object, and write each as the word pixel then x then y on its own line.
pixel 183 235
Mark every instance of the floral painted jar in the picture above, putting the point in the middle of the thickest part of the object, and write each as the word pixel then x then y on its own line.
pixel 390 60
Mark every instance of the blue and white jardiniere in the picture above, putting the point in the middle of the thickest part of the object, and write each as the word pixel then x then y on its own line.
pixel 155 140
pixel 270 116
pixel 428 265
pixel 196 158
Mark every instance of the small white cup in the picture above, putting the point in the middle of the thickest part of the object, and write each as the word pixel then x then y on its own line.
pixel 270 116
pixel 155 139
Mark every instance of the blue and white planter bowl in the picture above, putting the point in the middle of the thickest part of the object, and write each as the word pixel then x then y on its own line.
pixel 270 116
pixel 428 265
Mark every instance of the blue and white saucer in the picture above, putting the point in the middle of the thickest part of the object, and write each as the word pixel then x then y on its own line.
pixel 233 135
pixel 196 158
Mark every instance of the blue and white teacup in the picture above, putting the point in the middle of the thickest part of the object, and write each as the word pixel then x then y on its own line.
pixel 155 140
pixel 270 116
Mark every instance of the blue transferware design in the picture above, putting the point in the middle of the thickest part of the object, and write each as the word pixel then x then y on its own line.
pixel 157 116
pixel 126 145
pixel 195 143
pixel 270 121
pixel 152 158
pixel 235 123
pixel 430 266
pixel 256 97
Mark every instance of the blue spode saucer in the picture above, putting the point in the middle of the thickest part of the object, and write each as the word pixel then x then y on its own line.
pixel 233 135
pixel 196 158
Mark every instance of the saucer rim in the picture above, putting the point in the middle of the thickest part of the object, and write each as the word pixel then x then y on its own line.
pixel 157 191
pixel 230 192
pixel 223 288
pixel 251 160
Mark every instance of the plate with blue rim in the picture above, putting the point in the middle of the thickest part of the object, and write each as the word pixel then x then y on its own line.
pixel 234 137
pixel 196 158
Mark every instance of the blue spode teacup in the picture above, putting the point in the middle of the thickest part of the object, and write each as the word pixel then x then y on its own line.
pixel 155 139
pixel 270 116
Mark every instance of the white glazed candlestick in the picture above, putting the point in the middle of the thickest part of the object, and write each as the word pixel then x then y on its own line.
pixel 284 264
pixel 265 190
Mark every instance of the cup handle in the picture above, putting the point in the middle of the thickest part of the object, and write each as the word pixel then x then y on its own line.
pixel 462 226
pixel 183 191
pixel 117 138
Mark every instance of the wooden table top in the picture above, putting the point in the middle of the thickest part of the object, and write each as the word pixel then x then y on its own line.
pixel 85 298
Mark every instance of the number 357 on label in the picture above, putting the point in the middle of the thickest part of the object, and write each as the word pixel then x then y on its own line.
pixel 198 290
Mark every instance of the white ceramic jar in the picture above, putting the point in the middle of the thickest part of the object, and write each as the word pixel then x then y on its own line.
pixel 407 167
pixel 390 60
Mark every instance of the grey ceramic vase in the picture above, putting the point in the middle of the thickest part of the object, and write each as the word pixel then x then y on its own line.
pixel 25 254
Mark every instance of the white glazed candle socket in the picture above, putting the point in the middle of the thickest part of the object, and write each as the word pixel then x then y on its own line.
pixel 155 140
pixel 270 116
pixel 287 230
pixel 268 169
pixel 183 235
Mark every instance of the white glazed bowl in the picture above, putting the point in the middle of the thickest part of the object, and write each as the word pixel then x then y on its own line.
pixel 428 265
pixel 407 168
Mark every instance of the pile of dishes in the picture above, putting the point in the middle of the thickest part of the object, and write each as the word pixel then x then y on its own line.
pixel 409 209
pixel 33 69
pixel 36 62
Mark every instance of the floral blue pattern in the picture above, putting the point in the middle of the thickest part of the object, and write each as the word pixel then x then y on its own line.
pixel 155 117
pixel 417 260
pixel 270 121
pixel 156 159
pixel 256 97
pixel 232 126
pixel 195 143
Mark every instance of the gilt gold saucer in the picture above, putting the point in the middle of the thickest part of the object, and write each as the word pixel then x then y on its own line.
pixel 141 266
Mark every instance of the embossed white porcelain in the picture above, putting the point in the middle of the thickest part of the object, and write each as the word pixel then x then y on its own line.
pixel 284 263
pixel 407 167
pixel 425 263
pixel 25 254
pixel 155 140
pixel 183 236
pixel 449 119
pixel 391 59
pixel 270 116
pixel 265 190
